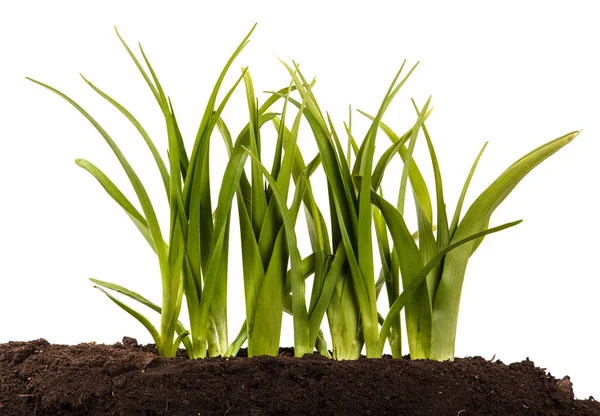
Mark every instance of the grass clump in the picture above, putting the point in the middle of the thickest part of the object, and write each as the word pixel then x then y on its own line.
pixel 422 272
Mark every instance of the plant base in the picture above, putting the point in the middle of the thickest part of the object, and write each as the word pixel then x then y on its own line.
pixel 37 378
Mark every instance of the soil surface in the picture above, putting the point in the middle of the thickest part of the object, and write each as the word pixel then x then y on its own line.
pixel 37 378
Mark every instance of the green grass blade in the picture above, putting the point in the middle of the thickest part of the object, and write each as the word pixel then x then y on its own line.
pixel 408 162
pixel 414 174
pixel 446 303
pixel 307 268
pixel 252 266
pixel 418 310
pixel 427 242
pixel 157 157
pixel 391 93
pixel 211 117
pixel 208 114
pixel 463 193
pixel 218 332
pixel 169 308
pixel 133 178
pixel 301 328
pixel 266 331
pixel 237 343
pixel 140 318
pixel 280 135
pixel 342 205
pixel 330 281
pixel 443 236
pixel 418 277
pixel 340 183
pixel 196 195
pixel 229 185
pixel 259 200
pixel 364 230
pixel 114 192
pixel 139 298
pixel 139 66
pixel 317 230
pixel 265 304
pixel 345 172
pixel 391 277
pixel 271 221
pixel 180 337
pixel 352 147
pixel 183 157
pixel 306 95
pixel 204 236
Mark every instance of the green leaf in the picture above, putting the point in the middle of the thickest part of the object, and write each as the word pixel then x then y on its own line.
pixel 463 193
pixel 411 264
pixel 114 192
pixel 133 178
pixel 397 146
pixel 418 310
pixel 301 328
pixel 259 200
pixel 141 318
pixel 443 237
pixel 157 158
pixel 231 178
pixel 446 303
pixel 139 298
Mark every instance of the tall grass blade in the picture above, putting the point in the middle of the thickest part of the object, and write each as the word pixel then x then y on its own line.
pixel 446 303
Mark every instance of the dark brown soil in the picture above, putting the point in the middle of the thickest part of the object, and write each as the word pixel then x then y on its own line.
pixel 37 378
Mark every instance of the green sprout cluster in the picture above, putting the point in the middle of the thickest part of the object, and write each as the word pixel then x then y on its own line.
pixel 422 272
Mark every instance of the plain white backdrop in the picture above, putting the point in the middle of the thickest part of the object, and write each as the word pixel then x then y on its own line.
pixel 512 73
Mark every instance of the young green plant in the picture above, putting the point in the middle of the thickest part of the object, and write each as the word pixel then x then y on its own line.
pixel 352 312
pixel 432 310
pixel 194 257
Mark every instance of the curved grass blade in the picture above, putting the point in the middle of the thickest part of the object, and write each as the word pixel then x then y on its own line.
pixel 270 305
pixel 301 328
pixel 364 234
pixel 206 297
pixel 114 192
pixel 139 66
pixel 157 157
pixel 144 301
pixel 443 236
pixel 140 318
pixel 463 193
pixel 390 275
pixel 259 200
pixel 414 173
pixel 408 161
pixel 231 178
pixel 417 274
pixel 446 303
pixel 135 181
pixel 170 306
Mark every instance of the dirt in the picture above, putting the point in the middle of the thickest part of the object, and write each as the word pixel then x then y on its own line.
pixel 37 378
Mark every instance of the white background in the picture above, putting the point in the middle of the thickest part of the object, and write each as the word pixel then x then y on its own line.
pixel 513 73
